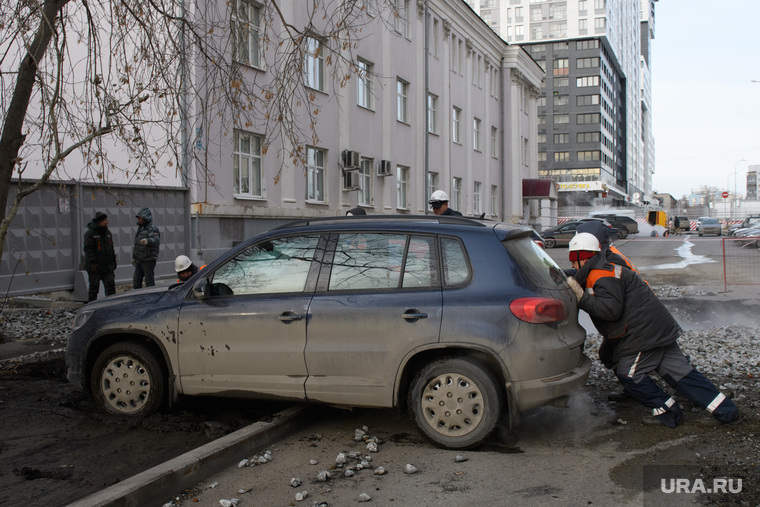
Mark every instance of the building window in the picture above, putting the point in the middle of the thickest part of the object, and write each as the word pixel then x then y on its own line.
pixel 246 164
pixel 541 138
pixel 583 82
pixel 494 200
pixel 586 156
pixel 562 156
pixel 587 44
pixel 245 33
pixel 561 138
pixel 518 14
pixel 587 100
pixel 315 174
pixel 583 24
pixel 599 23
pixel 494 142
pixel 588 137
pixel 476 134
pixel 402 101
pixel 558 11
pixel 536 32
pixel 365 181
pixel 536 13
pixel 436 37
pixel 583 119
pixel 432 182
pixel 561 100
pixel 401 21
pixel 598 4
pixel 519 32
pixel 476 198
pixel 582 5
pixel 525 152
pixel 402 187
pixel 364 97
pixel 432 113
pixel 542 156
pixel 561 118
pixel 561 67
pixel 315 64
pixel 456 193
pixel 456 125
pixel 454 55
pixel 587 63
pixel 559 82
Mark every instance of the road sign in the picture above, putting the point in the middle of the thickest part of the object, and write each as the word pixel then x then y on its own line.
pixel 724 195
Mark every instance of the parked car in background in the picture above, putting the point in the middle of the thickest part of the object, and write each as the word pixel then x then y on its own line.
pixel 561 234
pixel 709 225
pixel 681 223
pixel 458 321
pixel 749 222
pixel 537 239
pixel 625 225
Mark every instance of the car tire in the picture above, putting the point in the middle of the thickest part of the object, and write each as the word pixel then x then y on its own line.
pixel 549 243
pixel 127 379
pixel 455 402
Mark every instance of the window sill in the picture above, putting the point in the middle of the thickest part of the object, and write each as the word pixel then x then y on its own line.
pixel 247 197
pixel 321 203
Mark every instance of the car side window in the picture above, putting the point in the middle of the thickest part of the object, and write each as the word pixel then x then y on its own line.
pixel 456 269
pixel 274 266
pixel 383 261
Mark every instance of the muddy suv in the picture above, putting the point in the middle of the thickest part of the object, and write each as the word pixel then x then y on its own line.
pixel 458 321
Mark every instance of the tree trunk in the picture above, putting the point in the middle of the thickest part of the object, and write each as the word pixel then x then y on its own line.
pixel 12 137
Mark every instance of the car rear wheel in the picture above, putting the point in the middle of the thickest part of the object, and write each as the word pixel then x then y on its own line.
pixel 455 402
pixel 549 242
pixel 127 379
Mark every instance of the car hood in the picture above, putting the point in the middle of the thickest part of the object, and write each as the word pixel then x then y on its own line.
pixel 136 297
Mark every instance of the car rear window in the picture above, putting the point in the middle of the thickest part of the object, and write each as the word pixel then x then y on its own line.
pixel 709 220
pixel 535 263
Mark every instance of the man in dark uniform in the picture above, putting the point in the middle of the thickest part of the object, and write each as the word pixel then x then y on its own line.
pixel 624 309
pixel 439 201
pixel 99 256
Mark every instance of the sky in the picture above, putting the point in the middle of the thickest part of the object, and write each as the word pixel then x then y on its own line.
pixel 705 107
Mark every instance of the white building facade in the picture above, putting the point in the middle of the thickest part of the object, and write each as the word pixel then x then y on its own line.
pixel 455 111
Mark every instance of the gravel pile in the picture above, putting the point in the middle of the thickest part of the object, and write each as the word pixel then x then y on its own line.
pixel 35 325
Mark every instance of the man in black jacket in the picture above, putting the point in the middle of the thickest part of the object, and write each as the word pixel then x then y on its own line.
pixel 99 256
pixel 624 309
pixel 145 249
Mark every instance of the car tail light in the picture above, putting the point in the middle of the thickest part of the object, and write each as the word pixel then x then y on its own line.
pixel 538 310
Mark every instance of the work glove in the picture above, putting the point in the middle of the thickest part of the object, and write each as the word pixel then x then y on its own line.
pixel 577 289
pixel 133 262
pixel 144 241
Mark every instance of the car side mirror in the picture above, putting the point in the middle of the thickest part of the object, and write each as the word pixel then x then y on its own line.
pixel 202 289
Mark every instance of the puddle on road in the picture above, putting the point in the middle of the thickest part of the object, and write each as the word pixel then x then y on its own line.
pixel 688 258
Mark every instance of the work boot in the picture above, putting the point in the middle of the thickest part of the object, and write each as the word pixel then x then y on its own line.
pixel 709 420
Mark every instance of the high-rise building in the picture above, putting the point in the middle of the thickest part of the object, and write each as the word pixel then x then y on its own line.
pixel 595 136
pixel 752 182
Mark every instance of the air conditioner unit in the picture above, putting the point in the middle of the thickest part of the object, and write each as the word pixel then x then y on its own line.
pixel 385 168
pixel 351 180
pixel 351 159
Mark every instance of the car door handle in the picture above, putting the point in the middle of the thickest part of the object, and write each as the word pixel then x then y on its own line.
pixel 289 317
pixel 413 315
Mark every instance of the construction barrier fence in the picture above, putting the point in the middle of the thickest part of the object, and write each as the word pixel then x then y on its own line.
pixel 741 261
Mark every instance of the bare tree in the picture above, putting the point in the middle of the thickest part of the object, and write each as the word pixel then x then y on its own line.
pixel 91 88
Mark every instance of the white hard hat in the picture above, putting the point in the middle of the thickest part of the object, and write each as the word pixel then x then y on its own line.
pixel 584 241
pixel 181 263
pixel 439 196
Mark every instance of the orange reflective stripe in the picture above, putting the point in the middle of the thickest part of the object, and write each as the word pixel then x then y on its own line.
pixel 597 274
pixel 625 259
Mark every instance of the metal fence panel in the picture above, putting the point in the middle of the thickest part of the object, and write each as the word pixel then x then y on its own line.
pixel 741 261
pixel 43 249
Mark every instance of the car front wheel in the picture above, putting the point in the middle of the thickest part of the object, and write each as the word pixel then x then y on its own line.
pixel 549 242
pixel 455 402
pixel 128 380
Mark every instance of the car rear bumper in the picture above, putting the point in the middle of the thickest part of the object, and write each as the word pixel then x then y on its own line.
pixel 537 392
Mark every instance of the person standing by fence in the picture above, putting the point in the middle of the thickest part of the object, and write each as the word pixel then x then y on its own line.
pixel 99 256
pixel 145 249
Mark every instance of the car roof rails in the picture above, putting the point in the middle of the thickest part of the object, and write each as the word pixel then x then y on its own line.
pixel 441 219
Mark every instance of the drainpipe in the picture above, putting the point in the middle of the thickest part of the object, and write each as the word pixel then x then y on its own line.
pixel 425 100
pixel 502 151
